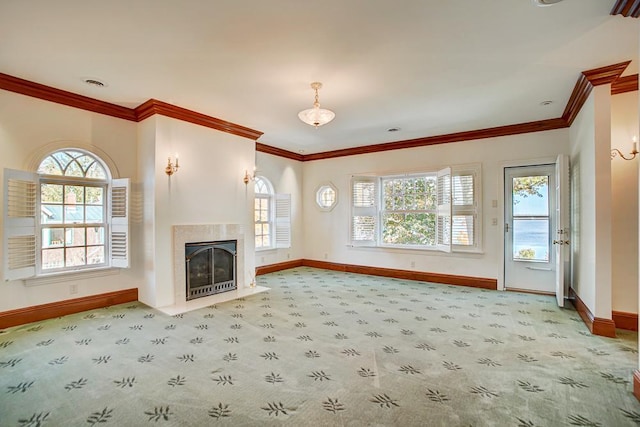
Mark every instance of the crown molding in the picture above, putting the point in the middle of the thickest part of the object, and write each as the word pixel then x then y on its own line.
pixel 626 8
pixel 606 75
pixel 625 84
pixel 59 96
pixel 537 126
pixel 153 106
pixel 578 97
pixel 143 111
pixel 268 149
pixel 587 80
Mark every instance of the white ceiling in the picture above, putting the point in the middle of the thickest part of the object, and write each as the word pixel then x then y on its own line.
pixel 429 67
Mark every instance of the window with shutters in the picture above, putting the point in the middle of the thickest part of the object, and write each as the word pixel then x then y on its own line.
pixel 272 216
pixel 263 213
pixel 68 216
pixel 430 210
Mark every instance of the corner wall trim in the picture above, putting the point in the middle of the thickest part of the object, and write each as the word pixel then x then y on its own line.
pixel 624 320
pixel 271 268
pixel 153 106
pixel 62 308
pixel 626 8
pixel 596 325
pixel 448 279
pixel 625 84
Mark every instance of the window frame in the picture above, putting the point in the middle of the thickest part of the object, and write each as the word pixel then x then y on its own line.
pixel 279 216
pixel 40 226
pixel 443 210
pixel 268 198
pixel 23 224
pixel 320 198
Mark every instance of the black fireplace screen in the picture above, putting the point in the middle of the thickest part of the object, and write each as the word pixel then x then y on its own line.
pixel 210 268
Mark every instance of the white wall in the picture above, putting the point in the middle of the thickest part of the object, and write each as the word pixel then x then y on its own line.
pixel 29 128
pixel 624 181
pixel 207 189
pixel 590 141
pixel 145 193
pixel 326 233
pixel 286 177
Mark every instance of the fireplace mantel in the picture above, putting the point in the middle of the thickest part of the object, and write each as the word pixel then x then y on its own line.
pixel 191 233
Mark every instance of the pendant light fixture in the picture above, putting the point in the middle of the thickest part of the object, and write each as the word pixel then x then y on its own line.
pixel 316 116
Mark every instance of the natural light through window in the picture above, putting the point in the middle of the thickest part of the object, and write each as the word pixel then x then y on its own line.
pixel 263 213
pixel 73 217
pixel 431 210
pixel 531 220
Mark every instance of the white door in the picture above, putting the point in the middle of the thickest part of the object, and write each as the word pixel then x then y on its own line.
pixel 561 241
pixel 530 211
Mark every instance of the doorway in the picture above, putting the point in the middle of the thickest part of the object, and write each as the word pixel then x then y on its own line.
pixel 530 218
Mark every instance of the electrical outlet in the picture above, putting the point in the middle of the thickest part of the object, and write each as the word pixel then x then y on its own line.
pixel 73 289
pixel 326 256
pixel 494 221
pixel 413 264
pixel 494 203
pixel 261 259
pixel 288 255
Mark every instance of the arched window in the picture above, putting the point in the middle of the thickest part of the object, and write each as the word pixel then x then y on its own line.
pixel 68 216
pixel 263 216
pixel 272 216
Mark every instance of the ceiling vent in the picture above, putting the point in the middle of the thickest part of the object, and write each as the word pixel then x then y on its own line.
pixel 544 3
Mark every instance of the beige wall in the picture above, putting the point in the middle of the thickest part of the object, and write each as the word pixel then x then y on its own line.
pixel 208 189
pixel 590 139
pixel 624 194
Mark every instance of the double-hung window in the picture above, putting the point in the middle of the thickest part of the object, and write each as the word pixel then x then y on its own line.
pixel 431 210
pixel 68 216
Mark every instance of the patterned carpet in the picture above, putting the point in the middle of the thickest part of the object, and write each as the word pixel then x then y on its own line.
pixel 322 348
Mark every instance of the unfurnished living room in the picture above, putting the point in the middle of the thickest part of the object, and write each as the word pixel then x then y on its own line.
pixel 356 212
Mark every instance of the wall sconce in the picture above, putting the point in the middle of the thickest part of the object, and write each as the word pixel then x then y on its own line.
pixel 171 167
pixel 248 177
pixel 634 151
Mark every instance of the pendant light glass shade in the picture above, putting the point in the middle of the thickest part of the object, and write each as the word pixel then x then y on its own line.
pixel 316 116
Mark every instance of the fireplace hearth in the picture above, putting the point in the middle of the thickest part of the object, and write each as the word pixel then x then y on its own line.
pixel 210 268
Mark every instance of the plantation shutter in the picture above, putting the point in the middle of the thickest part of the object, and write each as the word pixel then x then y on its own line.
pixel 443 222
pixel 119 230
pixel 20 206
pixel 364 210
pixel 283 220
pixel 464 209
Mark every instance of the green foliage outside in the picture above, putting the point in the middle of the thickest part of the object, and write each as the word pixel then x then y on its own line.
pixel 416 198
pixel 526 186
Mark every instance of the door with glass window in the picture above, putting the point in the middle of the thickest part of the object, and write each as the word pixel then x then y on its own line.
pixel 530 211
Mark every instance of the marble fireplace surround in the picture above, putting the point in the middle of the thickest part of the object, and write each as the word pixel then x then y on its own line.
pixel 183 234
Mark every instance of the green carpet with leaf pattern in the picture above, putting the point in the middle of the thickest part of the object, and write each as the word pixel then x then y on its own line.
pixel 322 348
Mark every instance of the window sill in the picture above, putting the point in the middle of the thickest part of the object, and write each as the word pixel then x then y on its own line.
pixel 71 275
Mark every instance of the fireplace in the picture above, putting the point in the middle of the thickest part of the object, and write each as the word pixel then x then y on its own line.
pixel 210 268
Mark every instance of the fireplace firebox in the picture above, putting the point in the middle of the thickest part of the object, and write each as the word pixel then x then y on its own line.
pixel 210 268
